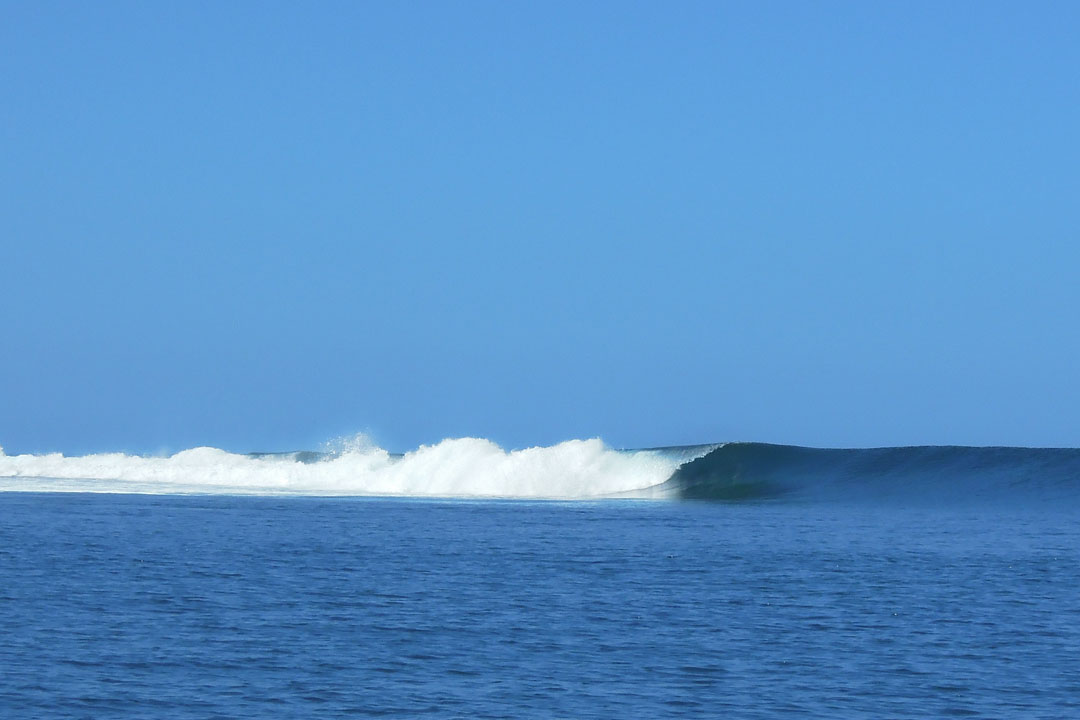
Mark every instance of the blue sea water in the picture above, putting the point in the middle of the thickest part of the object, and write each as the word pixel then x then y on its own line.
pixel 789 605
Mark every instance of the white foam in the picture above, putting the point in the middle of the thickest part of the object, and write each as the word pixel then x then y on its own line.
pixel 463 467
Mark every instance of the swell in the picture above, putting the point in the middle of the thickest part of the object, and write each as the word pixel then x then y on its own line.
pixel 931 474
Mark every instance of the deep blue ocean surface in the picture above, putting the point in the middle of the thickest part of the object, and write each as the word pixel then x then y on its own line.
pixel 158 606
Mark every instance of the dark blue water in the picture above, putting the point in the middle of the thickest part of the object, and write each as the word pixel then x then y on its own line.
pixel 199 607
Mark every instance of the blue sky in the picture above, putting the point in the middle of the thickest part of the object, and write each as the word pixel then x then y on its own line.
pixel 261 225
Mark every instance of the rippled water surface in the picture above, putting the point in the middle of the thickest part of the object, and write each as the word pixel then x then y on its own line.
pixel 196 607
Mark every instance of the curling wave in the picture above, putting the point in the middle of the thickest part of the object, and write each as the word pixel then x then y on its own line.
pixel 577 469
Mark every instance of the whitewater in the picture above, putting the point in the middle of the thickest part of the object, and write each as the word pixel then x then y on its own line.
pixel 460 467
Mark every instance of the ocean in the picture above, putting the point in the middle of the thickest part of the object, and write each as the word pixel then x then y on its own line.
pixel 461 581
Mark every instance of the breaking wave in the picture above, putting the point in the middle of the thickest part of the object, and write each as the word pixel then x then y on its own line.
pixel 464 467
pixel 576 469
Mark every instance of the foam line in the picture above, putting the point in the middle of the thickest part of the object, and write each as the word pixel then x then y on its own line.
pixel 463 467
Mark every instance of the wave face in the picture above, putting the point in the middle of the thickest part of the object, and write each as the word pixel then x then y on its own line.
pixel 577 469
pixel 932 474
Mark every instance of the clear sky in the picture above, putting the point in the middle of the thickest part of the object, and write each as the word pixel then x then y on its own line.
pixel 259 225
